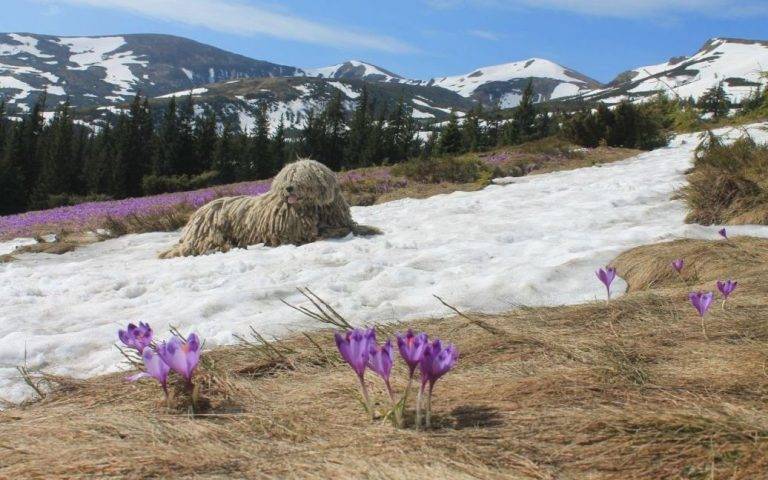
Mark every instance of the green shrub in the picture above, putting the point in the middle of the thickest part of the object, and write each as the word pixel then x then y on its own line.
pixel 154 184
pixel 444 169
pixel 66 199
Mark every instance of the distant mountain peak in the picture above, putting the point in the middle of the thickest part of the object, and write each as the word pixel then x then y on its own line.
pixel 354 70
pixel 735 63
pixel 504 83
pixel 110 69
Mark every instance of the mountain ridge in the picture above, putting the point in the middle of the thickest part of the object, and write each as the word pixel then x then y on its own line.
pixel 103 72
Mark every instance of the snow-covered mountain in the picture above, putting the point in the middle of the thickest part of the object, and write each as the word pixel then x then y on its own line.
pixel 493 85
pixel 737 63
pixel 103 73
pixel 292 98
pixel 111 69
pixel 503 84
pixel 355 70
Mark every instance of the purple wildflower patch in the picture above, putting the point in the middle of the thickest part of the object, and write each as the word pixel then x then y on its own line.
pixel 93 214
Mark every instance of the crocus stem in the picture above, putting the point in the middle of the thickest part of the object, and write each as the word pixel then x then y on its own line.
pixel 418 406
pixel 395 408
pixel 167 398
pixel 400 410
pixel 429 407
pixel 723 304
pixel 703 328
pixel 366 397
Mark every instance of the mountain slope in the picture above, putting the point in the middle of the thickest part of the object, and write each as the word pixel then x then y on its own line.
pixel 292 98
pixel 737 63
pixel 355 70
pixel 111 69
pixel 503 84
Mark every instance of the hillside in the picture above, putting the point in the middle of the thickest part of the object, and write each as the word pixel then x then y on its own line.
pixel 292 98
pixel 97 71
pixel 355 70
pixel 503 85
pixel 737 63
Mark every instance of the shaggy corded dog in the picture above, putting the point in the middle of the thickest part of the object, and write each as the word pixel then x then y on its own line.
pixel 303 205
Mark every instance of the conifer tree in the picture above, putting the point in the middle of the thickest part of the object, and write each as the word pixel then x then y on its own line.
pixel 205 141
pixel 260 146
pixel 359 130
pixel 278 147
pixel 223 157
pixel 168 141
pixel 471 131
pixel 56 166
pixel 451 141
pixel 332 153
pixel 524 116
pixel 715 101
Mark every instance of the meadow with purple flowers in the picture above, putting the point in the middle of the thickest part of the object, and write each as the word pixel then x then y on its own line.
pixel 94 215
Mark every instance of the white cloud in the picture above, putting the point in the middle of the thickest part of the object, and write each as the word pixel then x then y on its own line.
pixel 624 8
pixel 231 16
pixel 485 34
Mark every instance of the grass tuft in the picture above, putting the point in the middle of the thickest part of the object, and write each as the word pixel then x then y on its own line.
pixel 729 183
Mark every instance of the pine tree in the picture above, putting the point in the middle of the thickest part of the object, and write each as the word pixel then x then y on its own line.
pixel 334 134
pixel 262 153
pixel 399 133
pixel 493 131
pixel 471 131
pixel 278 147
pixel 121 159
pixel 12 195
pixel 57 158
pixel 359 131
pixel 524 116
pixel 715 101
pixel 205 141
pixel 134 149
pixel 27 155
pixel 168 141
pixel 450 138
pixel 224 154
pixel 374 148
pixel 96 165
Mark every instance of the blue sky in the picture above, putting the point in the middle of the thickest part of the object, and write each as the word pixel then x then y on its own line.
pixel 416 38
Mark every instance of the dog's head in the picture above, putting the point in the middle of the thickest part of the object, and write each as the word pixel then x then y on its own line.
pixel 306 183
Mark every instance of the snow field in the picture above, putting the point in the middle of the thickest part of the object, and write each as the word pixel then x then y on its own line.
pixel 533 240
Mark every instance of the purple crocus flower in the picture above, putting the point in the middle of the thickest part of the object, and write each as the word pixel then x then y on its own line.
pixel 412 348
pixel 380 360
pixel 701 301
pixel 182 356
pixel 155 368
pixel 606 275
pixel 435 363
pixel 136 337
pixel 678 265
pixel 723 233
pixel 355 347
pixel 727 287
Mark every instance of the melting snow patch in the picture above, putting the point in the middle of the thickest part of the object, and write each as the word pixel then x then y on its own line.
pixel 534 242
pixel 184 93
pixel 87 52
pixel 345 89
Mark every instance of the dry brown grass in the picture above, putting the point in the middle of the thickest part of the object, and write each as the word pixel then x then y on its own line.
pixel 625 390
pixel 729 183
